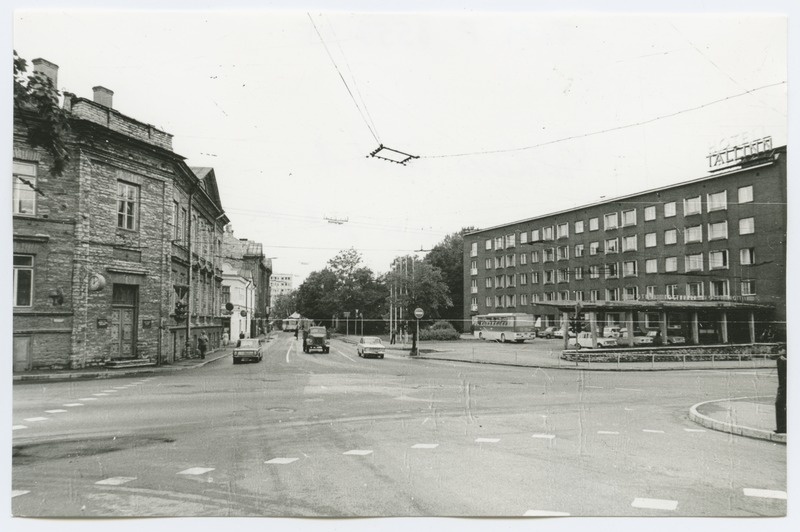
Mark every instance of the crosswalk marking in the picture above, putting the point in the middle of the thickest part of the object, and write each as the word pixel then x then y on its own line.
pixel 765 494
pixel 544 513
pixel 57 411
pixel 544 436
pixel 87 399
pixel 72 404
pixel 36 419
pixel 195 471
pixel 487 440
pixel 654 504
pixel 17 427
pixel 110 391
pixel 100 394
pixel 653 431
pixel 281 461
pixel 17 493
pixel 694 430
pixel 115 481
pixel 425 446
pixel 607 432
pixel 359 452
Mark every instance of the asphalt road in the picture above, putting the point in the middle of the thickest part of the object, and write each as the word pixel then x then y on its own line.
pixel 337 435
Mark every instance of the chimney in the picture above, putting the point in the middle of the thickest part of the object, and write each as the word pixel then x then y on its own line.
pixel 46 68
pixel 103 96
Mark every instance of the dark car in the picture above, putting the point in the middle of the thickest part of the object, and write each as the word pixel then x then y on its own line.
pixel 316 338
pixel 547 332
pixel 248 349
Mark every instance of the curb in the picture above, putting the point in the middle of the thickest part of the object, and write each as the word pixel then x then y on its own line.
pixel 738 430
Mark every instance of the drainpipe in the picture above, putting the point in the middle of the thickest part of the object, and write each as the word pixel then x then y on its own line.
pixel 189 289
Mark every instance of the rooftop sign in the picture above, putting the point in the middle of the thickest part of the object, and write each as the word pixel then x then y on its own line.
pixel 732 155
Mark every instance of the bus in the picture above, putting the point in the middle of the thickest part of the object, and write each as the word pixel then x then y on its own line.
pixel 505 327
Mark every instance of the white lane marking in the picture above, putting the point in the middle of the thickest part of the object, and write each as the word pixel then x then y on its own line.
pixel 115 481
pixel 628 409
pixel 607 432
pixel 653 431
pixel 110 391
pixel 629 389
pixel 358 452
pixel 17 427
pixel 654 504
pixel 36 419
pixel 99 394
pixel 544 436
pixel 487 440
pixel 765 494
pixel 544 513
pixel 345 356
pixel 17 493
pixel 281 460
pixel 57 411
pixel 425 446
pixel 291 345
pixel 120 387
pixel 72 404
pixel 694 430
pixel 596 387
pixel 87 399
pixel 195 471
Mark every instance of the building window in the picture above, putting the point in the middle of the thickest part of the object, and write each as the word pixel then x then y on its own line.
pixel 718 231
pixel 563 252
pixel 629 217
pixel 650 292
pixel 474 286
pixel 748 287
pixel 547 233
pixel 535 235
pixel 670 236
pixel 650 240
pixel 594 224
pixel 549 255
pixel 184 226
pixel 747 226
pixel 549 276
pixel 611 221
pixel 498 262
pixel 511 240
pixel 694 263
pixel 578 250
pixel 24 192
pixel 629 268
pixel 523 278
pixel 523 237
pixel 718 288
pixel 669 209
pixel 629 243
pixel 511 261
pixel 534 256
pixel 612 294
pixel 473 267
pixel 692 206
pixel 512 300
pixel 651 266
pixel 23 280
pixel 746 194
pixel 579 227
pixel 523 258
pixel 579 273
pixel 488 301
pixel 176 233
pixel 594 295
pixel 747 256
pixel 488 264
pixel 594 248
pixel 511 280
pixel 612 270
pixel 671 264
pixel 564 295
pixel 631 293
pixel 562 230
pixel 562 275
pixel 498 281
pixel 488 244
pixel 718 259
pixel 498 301
pixel 650 213
pixel 127 205
pixel 473 252
pixel 671 290
pixel 534 277
pixel 693 234
pixel 498 242
pixel 549 296
pixel 611 246
pixel 523 299
pixel 535 298
pixel 694 289
pixel 594 272
pixel 488 282
pixel 579 296
pixel 717 201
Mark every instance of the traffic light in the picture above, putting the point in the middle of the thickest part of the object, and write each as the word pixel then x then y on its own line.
pixel 576 324
pixel 180 311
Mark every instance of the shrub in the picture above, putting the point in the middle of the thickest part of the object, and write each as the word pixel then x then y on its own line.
pixel 441 330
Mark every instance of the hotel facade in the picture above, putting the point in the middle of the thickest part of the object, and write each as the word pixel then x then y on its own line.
pixel 704 259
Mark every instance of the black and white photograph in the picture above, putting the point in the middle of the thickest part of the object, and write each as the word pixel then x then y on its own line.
pixel 346 260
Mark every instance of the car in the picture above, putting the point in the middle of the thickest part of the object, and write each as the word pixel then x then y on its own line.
pixel 584 339
pixel 612 331
pixel 639 337
pixel 370 346
pixel 247 349
pixel 559 333
pixel 316 338
pixel 547 332
pixel 672 339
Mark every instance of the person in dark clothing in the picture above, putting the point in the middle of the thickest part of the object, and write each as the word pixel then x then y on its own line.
pixel 202 344
pixel 392 339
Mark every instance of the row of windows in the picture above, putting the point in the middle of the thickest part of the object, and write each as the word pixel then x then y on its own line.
pixel 715 288
pixel 717 260
pixel 691 206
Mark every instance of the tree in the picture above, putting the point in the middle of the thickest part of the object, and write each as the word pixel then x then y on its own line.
pixel 316 296
pixel 36 106
pixel 284 305
pixel 448 256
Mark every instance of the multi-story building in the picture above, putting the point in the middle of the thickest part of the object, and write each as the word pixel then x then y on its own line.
pixel 103 252
pixel 280 283
pixel 246 259
pixel 704 258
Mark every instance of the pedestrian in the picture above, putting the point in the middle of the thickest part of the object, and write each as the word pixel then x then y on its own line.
pixel 202 344
pixel 239 341
pixel 392 339
pixel 657 340
pixel 295 332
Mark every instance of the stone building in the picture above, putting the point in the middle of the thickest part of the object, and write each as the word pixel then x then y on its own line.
pixel 246 259
pixel 102 251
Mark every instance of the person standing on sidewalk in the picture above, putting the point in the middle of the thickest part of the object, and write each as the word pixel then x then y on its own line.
pixel 780 399
pixel 202 344
pixel 392 339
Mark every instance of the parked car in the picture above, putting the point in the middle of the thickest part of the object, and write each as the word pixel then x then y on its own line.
pixel 584 339
pixel 672 339
pixel 316 338
pixel 639 338
pixel 248 349
pixel 559 333
pixel 547 332
pixel 612 331
pixel 370 346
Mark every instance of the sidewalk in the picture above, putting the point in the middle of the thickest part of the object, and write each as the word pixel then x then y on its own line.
pixel 743 416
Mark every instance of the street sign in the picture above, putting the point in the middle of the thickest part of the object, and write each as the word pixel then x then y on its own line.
pixel 346 314
pixel 418 313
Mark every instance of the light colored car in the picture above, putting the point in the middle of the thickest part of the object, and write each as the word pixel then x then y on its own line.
pixel 248 349
pixel 612 331
pixel 584 339
pixel 639 338
pixel 547 332
pixel 671 339
pixel 559 333
pixel 370 346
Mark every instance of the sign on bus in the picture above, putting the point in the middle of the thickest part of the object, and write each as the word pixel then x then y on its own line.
pixel 505 327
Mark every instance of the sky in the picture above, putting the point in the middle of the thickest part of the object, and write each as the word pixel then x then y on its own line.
pixel 508 111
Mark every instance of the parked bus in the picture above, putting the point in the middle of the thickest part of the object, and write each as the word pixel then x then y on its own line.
pixel 505 327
